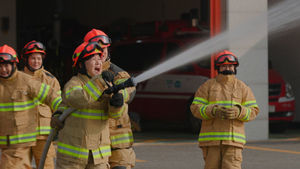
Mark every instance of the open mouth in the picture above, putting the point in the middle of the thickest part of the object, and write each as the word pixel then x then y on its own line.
pixel 97 69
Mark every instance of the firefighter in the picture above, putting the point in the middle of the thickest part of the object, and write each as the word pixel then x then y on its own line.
pixel 123 155
pixel 224 104
pixel 33 55
pixel 83 142
pixel 20 96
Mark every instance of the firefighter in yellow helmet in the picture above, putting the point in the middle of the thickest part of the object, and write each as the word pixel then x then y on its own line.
pixel 123 155
pixel 20 95
pixel 224 104
pixel 33 55
pixel 83 142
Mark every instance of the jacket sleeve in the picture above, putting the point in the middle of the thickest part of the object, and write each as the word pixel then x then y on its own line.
pixel 80 95
pixel 249 107
pixel 200 106
pixel 43 93
pixel 129 92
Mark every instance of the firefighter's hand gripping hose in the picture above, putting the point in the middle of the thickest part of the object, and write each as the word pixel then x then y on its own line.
pixel 116 88
pixel 53 132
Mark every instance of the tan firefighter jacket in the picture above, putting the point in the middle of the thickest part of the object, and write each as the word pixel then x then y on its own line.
pixel 120 129
pixel 20 96
pixel 224 90
pixel 86 130
pixel 44 111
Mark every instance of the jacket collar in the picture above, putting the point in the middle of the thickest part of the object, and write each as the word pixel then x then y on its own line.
pixel 225 78
pixel 36 73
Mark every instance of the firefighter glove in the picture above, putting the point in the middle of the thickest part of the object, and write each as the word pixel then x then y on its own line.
pixel 116 100
pixel 232 112
pixel 108 76
pixel 55 122
pixel 218 111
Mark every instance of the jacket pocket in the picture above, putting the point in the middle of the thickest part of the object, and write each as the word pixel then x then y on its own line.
pixel 20 95
pixel 45 111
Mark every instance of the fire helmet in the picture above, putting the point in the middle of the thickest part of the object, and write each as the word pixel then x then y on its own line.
pixel 84 50
pixel 8 54
pixel 96 35
pixel 226 58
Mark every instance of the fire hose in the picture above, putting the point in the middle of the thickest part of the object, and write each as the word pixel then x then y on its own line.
pixel 112 89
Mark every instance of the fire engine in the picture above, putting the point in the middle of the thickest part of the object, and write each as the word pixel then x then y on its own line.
pixel 167 97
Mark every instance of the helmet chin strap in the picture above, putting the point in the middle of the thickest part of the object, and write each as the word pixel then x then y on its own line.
pixel 12 72
pixel 30 68
pixel 82 70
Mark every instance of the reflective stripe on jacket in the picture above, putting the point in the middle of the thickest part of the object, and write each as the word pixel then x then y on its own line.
pixel 20 95
pixel 225 91
pixel 86 129
pixel 44 111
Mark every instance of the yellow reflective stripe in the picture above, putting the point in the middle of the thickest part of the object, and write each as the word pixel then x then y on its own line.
pixel 82 152
pixel 102 152
pixel 43 92
pixel 56 103
pixel 20 106
pixel 72 151
pixel 125 94
pixel 21 138
pixel 58 92
pixel 92 90
pixel 121 138
pixel 202 111
pixel 43 130
pixel 225 103
pixel 90 114
pixel 247 115
pixel 68 92
pixel 117 114
pixel 2 140
pixel 251 103
pixel 119 81
pixel 200 100
pixel 210 136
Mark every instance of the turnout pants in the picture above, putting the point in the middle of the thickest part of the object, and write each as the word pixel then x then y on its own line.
pixel 18 158
pixel 222 157
pixel 62 163
pixel 37 152
pixel 122 157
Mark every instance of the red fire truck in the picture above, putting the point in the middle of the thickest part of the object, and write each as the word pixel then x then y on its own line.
pixel 167 97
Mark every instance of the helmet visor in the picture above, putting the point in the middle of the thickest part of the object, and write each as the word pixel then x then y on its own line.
pixel 6 57
pixel 105 40
pixel 34 45
pixel 229 58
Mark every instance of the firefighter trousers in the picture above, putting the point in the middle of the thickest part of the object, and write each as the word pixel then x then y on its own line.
pixel 222 157
pixel 18 158
pixel 62 163
pixel 37 152
pixel 122 157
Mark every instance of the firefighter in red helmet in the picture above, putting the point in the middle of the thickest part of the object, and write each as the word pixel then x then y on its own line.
pixel 33 55
pixel 83 141
pixel 121 136
pixel 20 96
pixel 224 104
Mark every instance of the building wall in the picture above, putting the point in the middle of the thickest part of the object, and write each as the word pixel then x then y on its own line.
pixel 253 56
pixel 8 23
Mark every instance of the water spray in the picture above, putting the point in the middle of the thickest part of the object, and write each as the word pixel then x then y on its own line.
pixel 280 18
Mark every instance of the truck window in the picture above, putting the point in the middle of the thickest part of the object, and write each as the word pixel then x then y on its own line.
pixel 137 56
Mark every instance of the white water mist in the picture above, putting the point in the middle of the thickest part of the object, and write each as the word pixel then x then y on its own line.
pixel 280 17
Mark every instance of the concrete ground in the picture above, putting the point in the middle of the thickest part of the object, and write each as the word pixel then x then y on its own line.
pixel 172 149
